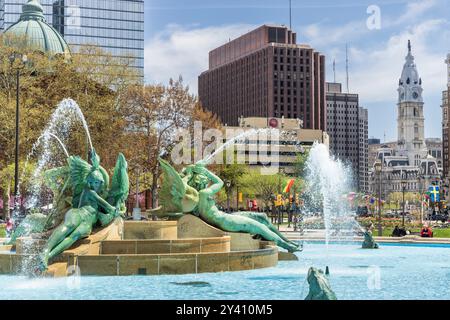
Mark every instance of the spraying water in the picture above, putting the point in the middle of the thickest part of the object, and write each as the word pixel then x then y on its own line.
pixel 61 122
pixel 230 142
pixel 262 135
pixel 329 181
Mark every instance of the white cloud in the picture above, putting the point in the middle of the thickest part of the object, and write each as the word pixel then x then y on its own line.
pixel 375 72
pixel 376 57
pixel 319 34
pixel 184 51
pixel 414 10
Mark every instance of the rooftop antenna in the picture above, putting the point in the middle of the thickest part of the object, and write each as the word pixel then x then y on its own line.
pixel 334 69
pixel 346 65
pixel 290 14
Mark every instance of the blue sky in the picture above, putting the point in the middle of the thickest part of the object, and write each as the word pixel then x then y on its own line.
pixel 179 35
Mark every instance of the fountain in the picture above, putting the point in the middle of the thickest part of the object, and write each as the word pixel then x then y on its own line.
pixel 82 194
pixel 328 181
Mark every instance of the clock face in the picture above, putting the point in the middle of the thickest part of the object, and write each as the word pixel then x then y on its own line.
pixel 415 95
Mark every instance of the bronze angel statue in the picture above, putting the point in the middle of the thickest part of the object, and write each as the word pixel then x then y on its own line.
pixel 93 200
pixel 82 198
pixel 192 191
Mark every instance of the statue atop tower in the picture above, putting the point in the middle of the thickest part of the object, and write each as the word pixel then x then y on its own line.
pixel 410 84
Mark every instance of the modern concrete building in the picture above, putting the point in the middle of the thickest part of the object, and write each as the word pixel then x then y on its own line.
pixel 265 73
pixel 280 150
pixel 347 127
pixel 363 154
pixel 117 26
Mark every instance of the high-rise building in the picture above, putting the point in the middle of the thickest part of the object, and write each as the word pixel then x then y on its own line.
pixel 265 73
pixel 117 26
pixel 281 151
pixel 363 174
pixel 445 124
pixel 347 127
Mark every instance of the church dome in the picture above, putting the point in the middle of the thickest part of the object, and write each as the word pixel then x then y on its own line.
pixel 36 32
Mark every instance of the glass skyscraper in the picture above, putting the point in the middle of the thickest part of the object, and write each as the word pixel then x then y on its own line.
pixel 117 26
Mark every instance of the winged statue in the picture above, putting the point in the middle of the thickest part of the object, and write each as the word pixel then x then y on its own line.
pixel 192 192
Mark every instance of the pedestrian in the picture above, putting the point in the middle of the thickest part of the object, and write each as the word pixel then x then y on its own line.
pixel 9 227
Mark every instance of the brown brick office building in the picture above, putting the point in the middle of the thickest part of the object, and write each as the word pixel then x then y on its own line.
pixel 264 73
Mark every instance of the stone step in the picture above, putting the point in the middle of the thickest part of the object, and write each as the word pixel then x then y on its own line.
pixel 161 230
pixel 57 270
pixel 181 263
pixel 217 244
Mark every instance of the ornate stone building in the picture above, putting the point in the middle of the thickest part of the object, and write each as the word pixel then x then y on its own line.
pixel 410 121
pixel 408 159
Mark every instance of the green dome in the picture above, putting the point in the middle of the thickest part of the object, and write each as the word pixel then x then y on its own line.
pixel 36 32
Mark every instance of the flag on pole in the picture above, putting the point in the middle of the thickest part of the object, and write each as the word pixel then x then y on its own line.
pixel 288 186
pixel 434 193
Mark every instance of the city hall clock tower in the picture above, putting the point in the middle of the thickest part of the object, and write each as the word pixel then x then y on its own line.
pixel 410 121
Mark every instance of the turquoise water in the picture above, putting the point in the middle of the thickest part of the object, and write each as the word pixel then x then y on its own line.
pixel 391 272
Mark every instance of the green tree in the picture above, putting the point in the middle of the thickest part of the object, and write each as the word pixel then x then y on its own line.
pixel 7 182
pixel 231 175
pixel 300 164
pixel 263 187
pixel 93 78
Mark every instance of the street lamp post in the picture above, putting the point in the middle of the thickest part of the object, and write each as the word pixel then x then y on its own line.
pixel 137 207
pixel 228 184
pixel 279 192
pixel 404 183
pixel 23 60
pixel 378 170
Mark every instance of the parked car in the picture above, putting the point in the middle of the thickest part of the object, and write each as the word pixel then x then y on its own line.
pixel 390 214
pixel 438 217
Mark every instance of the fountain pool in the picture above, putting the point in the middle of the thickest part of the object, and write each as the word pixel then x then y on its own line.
pixel 395 271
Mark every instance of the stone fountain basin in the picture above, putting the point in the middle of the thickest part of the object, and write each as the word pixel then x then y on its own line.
pixel 152 248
